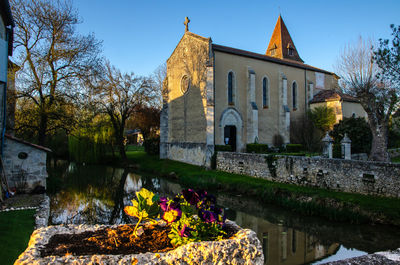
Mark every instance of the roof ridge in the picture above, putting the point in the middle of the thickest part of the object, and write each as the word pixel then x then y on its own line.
pixel 268 58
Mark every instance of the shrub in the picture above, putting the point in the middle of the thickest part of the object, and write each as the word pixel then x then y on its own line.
pixel 152 146
pixel 294 148
pixel 357 130
pixel 303 131
pixel 278 141
pixel 323 117
pixel 257 148
pixel 337 150
pixel 223 148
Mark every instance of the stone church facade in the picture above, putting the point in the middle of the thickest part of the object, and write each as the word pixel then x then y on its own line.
pixel 216 95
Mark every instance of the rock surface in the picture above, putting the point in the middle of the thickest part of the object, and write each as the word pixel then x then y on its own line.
pixel 379 258
pixel 244 248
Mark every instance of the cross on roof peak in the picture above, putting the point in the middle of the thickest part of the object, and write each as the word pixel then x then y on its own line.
pixel 187 21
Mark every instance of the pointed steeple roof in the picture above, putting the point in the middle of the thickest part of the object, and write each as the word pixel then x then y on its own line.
pixel 281 44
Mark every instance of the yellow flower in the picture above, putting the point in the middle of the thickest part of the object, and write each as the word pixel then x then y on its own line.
pixel 169 216
pixel 147 195
pixel 132 211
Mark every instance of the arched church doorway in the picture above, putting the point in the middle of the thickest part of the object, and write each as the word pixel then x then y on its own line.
pixel 230 136
pixel 231 129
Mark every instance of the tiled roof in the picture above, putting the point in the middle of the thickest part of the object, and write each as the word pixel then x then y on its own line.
pixel 11 137
pixel 281 42
pixel 267 58
pixel 332 95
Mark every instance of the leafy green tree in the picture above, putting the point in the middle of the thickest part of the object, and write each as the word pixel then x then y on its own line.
pixel 387 56
pixel 323 118
pixel 357 130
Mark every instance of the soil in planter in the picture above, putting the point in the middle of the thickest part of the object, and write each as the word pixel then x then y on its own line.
pixel 111 241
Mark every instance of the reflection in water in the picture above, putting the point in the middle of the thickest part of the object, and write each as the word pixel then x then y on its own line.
pixel 98 194
pixel 283 245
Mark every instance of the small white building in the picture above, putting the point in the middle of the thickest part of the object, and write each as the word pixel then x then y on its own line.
pixel 24 164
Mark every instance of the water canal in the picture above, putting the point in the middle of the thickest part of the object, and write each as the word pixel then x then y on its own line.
pixel 97 195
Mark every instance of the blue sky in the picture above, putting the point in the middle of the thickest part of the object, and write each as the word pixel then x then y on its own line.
pixel 138 36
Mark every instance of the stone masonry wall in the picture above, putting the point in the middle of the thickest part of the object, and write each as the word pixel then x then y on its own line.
pixel 24 174
pixel 372 178
pixel 192 153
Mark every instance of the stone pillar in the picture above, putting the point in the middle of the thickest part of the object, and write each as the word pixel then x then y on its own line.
pixel 327 142
pixel 284 111
pixel 252 109
pixel 210 114
pixel 346 147
pixel 164 122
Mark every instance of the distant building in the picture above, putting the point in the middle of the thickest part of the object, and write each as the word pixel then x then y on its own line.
pixel 134 137
pixel 345 106
pixel 220 95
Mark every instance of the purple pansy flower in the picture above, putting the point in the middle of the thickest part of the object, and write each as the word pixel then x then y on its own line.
pixel 172 211
pixel 163 203
pixel 207 202
pixel 202 194
pixel 185 231
pixel 208 216
pixel 191 196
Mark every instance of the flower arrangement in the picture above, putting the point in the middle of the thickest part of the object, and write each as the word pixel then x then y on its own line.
pixel 191 215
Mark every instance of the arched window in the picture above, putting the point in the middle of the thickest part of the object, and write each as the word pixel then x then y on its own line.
pixel 265 92
pixel 294 95
pixel 185 84
pixel 231 92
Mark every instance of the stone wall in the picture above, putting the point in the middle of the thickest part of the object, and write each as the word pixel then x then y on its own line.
pixel 24 173
pixel 192 153
pixel 242 248
pixel 187 118
pixel 372 178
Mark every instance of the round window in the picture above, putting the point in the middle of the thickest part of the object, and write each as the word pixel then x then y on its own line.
pixel 22 155
pixel 185 84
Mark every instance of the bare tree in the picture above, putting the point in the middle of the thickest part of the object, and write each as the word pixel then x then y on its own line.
pixel 52 57
pixel 118 95
pixel 158 78
pixel 359 77
pixel 147 119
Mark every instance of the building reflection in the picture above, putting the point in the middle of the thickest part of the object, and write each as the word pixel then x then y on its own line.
pixel 282 245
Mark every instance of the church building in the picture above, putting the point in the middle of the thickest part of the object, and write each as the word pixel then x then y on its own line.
pixel 217 95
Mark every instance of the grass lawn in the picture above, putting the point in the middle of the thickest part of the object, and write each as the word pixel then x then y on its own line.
pixel 15 230
pixel 130 148
pixel 273 192
pixel 396 159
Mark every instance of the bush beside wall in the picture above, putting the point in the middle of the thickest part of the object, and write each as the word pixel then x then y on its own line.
pixel 257 148
pixel 294 148
pixel 152 146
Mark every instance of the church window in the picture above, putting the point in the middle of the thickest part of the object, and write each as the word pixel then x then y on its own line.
pixel 265 92
pixel 290 51
pixel 231 92
pixel 185 84
pixel 294 95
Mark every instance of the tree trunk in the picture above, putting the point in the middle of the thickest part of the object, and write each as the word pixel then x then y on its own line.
pixel 42 129
pixel 121 147
pixel 379 143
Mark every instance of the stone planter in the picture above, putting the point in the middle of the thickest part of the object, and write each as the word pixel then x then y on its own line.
pixel 244 248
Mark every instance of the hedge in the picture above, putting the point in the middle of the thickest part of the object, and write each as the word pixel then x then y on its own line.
pixel 257 148
pixel 223 148
pixel 294 148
